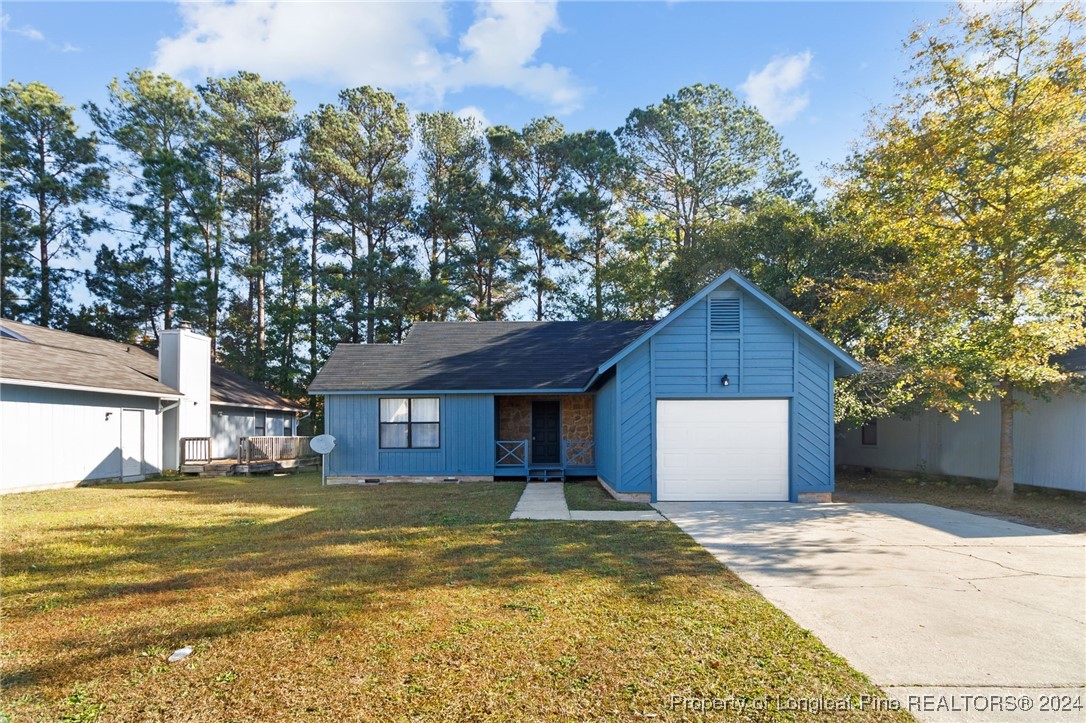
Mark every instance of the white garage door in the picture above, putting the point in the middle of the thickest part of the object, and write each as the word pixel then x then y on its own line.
pixel 734 449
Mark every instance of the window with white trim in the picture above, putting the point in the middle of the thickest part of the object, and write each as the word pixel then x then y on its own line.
pixel 410 423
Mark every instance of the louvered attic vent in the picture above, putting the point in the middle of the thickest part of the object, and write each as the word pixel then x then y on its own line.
pixel 724 316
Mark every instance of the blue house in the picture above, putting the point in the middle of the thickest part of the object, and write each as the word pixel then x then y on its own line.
pixel 729 397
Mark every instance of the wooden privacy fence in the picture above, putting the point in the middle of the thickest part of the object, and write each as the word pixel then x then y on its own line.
pixel 195 450
pixel 273 449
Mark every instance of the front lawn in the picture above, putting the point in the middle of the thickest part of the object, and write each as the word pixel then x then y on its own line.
pixel 589 495
pixel 378 603
pixel 1035 506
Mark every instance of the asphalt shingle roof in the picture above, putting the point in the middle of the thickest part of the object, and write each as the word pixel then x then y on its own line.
pixel 458 356
pixel 60 357
pixel 229 387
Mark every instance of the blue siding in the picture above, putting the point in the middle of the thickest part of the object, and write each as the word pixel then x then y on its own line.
pixel 768 345
pixel 680 354
pixel 606 431
pixel 635 421
pixel 764 360
pixel 467 438
pixel 812 422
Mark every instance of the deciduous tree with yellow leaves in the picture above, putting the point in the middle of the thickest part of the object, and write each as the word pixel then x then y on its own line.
pixel 977 177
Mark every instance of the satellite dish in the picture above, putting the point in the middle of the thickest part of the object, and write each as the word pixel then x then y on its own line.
pixel 322 444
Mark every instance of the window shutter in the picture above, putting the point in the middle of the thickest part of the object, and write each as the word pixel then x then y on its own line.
pixel 724 316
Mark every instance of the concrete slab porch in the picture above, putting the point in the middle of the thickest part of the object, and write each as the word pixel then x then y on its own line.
pixel 547 501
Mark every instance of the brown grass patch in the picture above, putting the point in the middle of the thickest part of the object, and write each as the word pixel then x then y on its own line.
pixel 1035 506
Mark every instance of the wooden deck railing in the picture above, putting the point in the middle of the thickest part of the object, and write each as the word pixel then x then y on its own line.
pixel 512 453
pixel 579 452
pixel 518 452
pixel 273 449
pixel 195 450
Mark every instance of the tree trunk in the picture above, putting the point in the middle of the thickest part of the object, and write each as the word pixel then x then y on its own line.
pixel 597 277
pixel 1005 484
pixel 354 280
pixel 214 263
pixel 46 281
pixel 211 294
pixel 167 268
pixel 258 255
pixel 539 278
pixel 313 322
pixel 371 294
pixel 46 311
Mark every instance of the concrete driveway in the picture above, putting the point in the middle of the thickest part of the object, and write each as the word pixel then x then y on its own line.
pixel 925 601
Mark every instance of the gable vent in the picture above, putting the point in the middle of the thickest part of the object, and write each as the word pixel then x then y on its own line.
pixel 724 316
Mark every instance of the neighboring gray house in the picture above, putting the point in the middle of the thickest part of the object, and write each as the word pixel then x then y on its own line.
pixel 1049 440
pixel 75 408
pixel 242 408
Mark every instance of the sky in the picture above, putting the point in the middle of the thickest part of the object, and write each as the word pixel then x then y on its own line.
pixel 813 69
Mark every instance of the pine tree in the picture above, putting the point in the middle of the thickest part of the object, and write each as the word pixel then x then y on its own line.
pixel 53 174
pixel 452 152
pixel 528 171
pixel 252 121
pixel 154 120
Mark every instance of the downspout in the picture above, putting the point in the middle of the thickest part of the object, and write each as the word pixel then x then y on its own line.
pixel 176 442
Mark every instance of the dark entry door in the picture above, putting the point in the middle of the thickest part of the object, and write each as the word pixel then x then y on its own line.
pixel 546 432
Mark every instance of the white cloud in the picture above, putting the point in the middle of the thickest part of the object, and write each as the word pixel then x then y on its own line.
pixel 776 89
pixel 499 48
pixel 474 113
pixel 392 45
pixel 27 31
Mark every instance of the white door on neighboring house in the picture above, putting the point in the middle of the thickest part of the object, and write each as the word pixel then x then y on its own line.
pixel 131 443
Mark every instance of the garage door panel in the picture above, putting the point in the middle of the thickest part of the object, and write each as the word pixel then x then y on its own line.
pixel 734 449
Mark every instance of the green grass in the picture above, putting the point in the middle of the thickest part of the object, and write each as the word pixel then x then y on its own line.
pixel 589 495
pixel 420 602
pixel 1035 506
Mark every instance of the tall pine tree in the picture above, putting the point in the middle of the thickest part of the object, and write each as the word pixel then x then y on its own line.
pixel 52 173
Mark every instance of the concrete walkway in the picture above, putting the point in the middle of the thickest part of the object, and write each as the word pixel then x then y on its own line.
pixel 933 605
pixel 547 501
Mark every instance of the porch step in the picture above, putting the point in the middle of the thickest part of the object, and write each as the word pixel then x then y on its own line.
pixel 546 474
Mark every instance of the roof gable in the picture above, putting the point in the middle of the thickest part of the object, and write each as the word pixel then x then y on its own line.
pixel 844 364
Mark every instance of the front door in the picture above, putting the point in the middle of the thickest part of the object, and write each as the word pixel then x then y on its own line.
pixel 131 443
pixel 546 432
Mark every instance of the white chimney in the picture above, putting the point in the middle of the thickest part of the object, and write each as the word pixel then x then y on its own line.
pixel 184 363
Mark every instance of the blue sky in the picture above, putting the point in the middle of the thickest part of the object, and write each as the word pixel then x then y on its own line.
pixel 814 69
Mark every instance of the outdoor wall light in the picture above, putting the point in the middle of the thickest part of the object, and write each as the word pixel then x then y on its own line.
pixel 108 415
pixel 724 381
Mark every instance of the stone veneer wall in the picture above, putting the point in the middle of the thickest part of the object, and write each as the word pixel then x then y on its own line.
pixel 515 416
pixel 577 422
